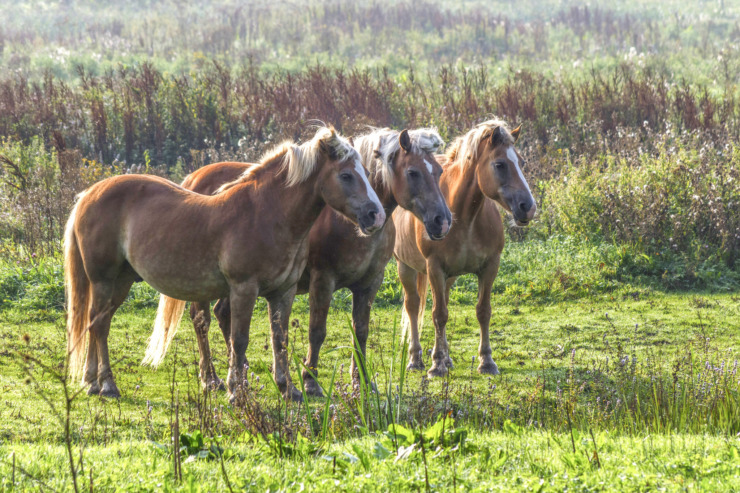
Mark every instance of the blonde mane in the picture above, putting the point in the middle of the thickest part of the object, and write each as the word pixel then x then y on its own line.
pixel 300 161
pixel 466 146
pixel 378 147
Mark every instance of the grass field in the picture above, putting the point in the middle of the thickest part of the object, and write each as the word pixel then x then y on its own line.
pixel 650 373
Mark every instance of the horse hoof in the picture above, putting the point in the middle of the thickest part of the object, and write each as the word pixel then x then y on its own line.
pixel 448 363
pixel 215 384
pixel 437 371
pixel 415 366
pixel 94 389
pixel 488 368
pixel 110 391
pixel 293 394
pixel 313 389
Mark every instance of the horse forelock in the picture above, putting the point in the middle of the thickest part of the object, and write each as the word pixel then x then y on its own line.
pixel 465 147
pixel 378 148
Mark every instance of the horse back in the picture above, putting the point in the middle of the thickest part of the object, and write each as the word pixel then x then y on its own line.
pixel 210 178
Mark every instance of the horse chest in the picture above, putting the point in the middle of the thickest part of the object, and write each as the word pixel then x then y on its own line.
pixel 469 256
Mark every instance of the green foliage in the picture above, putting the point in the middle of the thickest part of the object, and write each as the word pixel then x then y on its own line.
pixel 677 206
pixel 442 435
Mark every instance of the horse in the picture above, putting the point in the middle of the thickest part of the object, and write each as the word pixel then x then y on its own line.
pixel 405 173
pixel 481 169
pixel 249 240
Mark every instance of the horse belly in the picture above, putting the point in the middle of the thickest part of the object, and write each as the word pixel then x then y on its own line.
pixel 186 284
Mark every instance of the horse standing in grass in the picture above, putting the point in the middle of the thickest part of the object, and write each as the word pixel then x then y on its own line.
pixel 481 168
pixel 405 173
pixel 250 240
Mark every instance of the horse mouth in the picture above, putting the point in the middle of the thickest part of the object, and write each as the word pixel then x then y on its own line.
pixel 522 223
pixel 370 230
pixel 437 237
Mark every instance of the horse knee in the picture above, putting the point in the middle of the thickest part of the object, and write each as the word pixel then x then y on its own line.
pixel 440 316
pixel 483 313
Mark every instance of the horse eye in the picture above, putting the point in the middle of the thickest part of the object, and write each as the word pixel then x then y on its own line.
pixel 499 165
pixel 346 177
pixel 413 173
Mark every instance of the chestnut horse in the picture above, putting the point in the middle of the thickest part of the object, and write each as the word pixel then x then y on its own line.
pixel 405 173
pixel 481 168
pixel 250 240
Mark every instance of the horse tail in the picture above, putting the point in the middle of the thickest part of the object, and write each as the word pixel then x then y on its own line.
pixel 77 287
pixel 169 313
pixel 421 288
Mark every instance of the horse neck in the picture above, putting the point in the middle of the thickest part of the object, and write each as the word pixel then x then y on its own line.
pixel 464 196
pixel 300 204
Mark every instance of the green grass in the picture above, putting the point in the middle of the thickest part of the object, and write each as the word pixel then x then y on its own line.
pixel 529 461
pixel 561 361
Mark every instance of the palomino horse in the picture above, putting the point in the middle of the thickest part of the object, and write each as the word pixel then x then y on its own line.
pixel 250 240
pixel 480 165
pixel 405 173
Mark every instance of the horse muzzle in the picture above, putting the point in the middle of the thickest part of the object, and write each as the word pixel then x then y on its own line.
pixel 438 227
pixel 524 211
pixel 372 220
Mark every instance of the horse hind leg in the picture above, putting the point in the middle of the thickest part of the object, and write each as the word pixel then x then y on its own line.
pixel 91 367
pixel 448 286
pixel 107 296
pixel 410 321
pixel 362 301
pixel 200 314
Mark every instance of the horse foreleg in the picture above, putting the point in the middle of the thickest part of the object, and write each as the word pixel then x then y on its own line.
pixel 242 300
pixel 279 310
pixel 411 303
pixel 440 352
pixel 362 302
pixel 320 292
pixel 483 312
pixel 200 314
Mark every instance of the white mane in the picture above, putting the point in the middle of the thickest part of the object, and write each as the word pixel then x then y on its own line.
pixel 378 148
pixel 300 161
pixel 466 146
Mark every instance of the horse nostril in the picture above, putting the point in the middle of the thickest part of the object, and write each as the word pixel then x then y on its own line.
pixel 438 220
pixel 373 215
pixel 525 206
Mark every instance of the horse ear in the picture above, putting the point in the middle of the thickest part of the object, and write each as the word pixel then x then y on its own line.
pixel 515 133
pixel 497 136
pixel 405 140
pixel 352 141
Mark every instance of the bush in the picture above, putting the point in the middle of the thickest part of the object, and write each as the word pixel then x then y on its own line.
pixel 683 204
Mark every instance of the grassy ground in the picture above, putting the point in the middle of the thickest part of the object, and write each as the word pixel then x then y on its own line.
pixel 531 461
pixel 566 364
